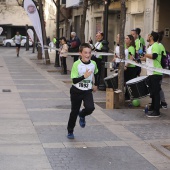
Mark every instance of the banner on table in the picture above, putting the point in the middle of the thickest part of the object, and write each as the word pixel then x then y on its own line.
pixel 33 14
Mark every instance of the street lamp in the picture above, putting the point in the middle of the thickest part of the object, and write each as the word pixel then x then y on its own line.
pixel 105 47
pixel 57 64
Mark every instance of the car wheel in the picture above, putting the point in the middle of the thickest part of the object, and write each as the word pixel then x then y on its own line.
pixel 8 44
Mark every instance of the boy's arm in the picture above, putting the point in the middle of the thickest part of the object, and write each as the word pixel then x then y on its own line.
pixel 77 80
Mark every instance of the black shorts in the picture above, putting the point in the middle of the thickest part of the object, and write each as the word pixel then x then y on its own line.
pixel 18 45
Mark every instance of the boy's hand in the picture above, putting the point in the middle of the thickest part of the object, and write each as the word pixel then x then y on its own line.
pixel 94 88
pixel 87 73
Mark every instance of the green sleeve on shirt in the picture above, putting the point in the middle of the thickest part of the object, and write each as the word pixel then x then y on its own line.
pixel 162 48
pixel 137 44
pixel 131 49
pixel 155 48
pixel 74 70
pixel 96 69
pixel 142 41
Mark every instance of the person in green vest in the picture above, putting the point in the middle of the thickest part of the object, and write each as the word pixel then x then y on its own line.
pixel 139 48
pixel 142 41
pixel 98 48
pixel 163 103
pixel 54 40
pixel 153 59
pixel 130 69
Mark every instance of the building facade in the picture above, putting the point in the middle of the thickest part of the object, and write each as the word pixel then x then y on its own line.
pixel 145 14
pixel 13 18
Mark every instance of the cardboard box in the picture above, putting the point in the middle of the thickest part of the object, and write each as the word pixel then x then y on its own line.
pixel 112 98
pixel 109 98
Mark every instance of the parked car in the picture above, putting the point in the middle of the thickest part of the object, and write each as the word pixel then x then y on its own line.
pixel 2 38
pixel 11 42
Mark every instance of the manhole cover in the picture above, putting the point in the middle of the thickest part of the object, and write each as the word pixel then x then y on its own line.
pixel 64 107
pixel 6 90
pixel 1 66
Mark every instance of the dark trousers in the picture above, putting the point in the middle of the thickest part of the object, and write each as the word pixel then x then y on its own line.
pixel 98 63
pixel 76 57
pixel 64 64
pixel 130 73
pixel 154 82
pixel 77 96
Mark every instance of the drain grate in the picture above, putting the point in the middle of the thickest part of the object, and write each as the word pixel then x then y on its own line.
pixel 6 90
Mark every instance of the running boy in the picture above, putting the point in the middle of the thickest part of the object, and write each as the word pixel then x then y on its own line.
pixel 17 39
pixel 82 77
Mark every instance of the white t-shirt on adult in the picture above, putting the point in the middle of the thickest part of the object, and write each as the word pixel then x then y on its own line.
pixel 18 39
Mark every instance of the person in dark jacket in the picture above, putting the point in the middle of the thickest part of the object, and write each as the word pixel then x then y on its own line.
pixel 74 45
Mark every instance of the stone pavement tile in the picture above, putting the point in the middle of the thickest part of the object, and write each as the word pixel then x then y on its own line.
pixel 51 103
pixel 123 158
pixel 75 144
pixel 16 123
pixel 53 145
pixel 47 95
pixel 95 144
pixel 37 87
pixel 19 139
pixel 29 82
pixel 132 114
pixel 55 116
pixel 13 116
pixel 54 134
pixel 24 162
pixel 162 166
pixel 6 82
pixel 150 131
pixel 116 143
pixel 14 149
pixel 16 130
pixel 13 111
pixel 28 77
pixel 12 88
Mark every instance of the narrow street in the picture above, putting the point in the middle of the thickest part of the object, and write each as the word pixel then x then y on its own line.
pixel 34 110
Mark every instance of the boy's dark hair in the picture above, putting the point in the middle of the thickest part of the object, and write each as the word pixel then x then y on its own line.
pixel 138 30
pixel 132 41
pixel 161 34
pixel 63 38
pixel 84 45
pixel 155 36
pixel 134 30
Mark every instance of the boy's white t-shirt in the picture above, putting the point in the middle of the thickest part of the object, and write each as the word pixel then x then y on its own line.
pixel 78 70
pixel 18 39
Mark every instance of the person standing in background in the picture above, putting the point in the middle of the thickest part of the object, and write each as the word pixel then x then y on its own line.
pixel 98 48
pixel 64 49
pixel 17 39
pixel 74 45
pixel 153 59
pixel 163 52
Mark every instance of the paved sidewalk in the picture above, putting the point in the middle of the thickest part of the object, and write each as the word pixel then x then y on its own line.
pixel 34 115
